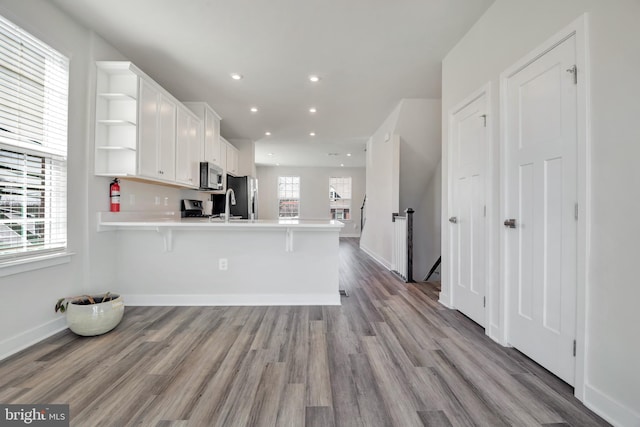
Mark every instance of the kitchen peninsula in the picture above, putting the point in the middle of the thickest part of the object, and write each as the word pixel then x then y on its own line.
pixel 163 259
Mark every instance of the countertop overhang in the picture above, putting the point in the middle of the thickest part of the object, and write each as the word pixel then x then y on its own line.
pixel 167 222
pixel 121 220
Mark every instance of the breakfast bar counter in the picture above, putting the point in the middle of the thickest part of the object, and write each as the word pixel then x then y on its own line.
pixel 167 260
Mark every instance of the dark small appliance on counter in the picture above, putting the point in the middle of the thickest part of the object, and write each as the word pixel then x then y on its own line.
pixel 191 208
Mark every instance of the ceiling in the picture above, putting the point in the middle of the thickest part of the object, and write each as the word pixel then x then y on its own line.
pixel 369 54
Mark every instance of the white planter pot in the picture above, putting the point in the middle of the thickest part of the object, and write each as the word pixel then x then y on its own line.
pixel 95 319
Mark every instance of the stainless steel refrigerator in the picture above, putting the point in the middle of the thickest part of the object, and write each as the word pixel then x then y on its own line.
pixel 246 192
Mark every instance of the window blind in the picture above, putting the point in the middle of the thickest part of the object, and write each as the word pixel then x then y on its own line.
pixel 34 80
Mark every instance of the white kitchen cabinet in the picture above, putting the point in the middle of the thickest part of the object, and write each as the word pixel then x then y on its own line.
pixel 157 135
pixel 211 136
pixel 136 129
pixel 231 158
pixel 188 147
pixel 223 155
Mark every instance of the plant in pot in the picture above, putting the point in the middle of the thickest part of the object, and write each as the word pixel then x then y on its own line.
pixel 92 315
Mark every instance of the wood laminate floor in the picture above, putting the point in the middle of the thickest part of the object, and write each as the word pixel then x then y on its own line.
pixel 389 356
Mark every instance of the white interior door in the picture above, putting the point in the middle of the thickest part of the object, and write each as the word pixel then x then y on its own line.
pixel 541 192
pixel 469 137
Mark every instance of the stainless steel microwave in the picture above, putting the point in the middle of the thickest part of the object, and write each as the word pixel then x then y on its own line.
pixel 211 176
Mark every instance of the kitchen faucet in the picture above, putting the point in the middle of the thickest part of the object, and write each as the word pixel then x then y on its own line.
pixel 227 208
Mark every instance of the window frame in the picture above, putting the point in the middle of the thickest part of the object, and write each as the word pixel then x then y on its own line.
pixel 333 210
pixel 291 198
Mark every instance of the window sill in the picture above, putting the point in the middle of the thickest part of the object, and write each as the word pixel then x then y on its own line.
pixel 37 262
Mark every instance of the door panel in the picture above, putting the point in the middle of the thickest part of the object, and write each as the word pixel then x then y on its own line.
pixel 148 125
pixel 540 151
pixel 468 132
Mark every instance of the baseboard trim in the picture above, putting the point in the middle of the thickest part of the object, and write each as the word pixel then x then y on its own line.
pixel 608 408
pixel 375 257
pixel 232 300
pixel 443 300
pixel 25 339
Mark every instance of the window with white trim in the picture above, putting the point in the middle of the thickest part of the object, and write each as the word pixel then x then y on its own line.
pixel 340 197
pixel 288 197
pixel 34 85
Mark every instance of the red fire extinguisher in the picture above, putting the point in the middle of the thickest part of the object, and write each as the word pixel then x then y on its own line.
pixel 114 195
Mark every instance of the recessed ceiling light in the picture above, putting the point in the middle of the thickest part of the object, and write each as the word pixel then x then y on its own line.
pixel 313 78
pixel 236 76
pixel 269 154
pixel 254 109
pixel 277 164
pixel 312 110
pixel 348 154
pixel 341 165
pixel 312 134
pixel 267 133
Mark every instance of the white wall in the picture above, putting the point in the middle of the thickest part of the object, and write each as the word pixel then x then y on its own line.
pixel 383 189
pixel 402 159
pixel 419 129
pixel 246 156
pixel 314 193
pixel 41 288
pixel 508 31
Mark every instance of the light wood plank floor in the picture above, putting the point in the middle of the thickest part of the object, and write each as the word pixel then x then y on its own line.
pixel 389 356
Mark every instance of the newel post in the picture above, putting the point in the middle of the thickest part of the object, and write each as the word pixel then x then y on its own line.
pixel 409 213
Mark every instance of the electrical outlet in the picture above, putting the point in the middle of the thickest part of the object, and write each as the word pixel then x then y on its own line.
pixel 157 200
pixel 166 201
pixel 223 264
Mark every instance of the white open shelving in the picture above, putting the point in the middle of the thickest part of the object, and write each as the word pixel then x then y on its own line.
pixel 116 119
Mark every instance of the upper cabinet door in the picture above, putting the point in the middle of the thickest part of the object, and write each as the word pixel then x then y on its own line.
pixel 212 137
pixel 157 134
pixel 188 149
pixel 167 139
pixel 148 161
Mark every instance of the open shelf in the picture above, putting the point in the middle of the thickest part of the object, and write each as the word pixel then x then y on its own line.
pixel 116 96
pixel 107 147
pixel 116 122
pixel 116 119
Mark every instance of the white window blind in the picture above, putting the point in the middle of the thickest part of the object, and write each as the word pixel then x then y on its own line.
pixel 34 80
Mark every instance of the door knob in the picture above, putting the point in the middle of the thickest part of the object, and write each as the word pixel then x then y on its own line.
pixel 511 223
pixel 453 220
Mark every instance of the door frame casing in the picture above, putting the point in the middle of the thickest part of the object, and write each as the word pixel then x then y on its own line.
pixel 488 168
pixel 579 29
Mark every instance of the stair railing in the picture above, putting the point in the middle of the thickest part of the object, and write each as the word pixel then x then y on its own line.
pixel 402 250
pixel 363 218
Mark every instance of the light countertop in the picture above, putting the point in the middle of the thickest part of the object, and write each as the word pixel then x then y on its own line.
pixel 141 220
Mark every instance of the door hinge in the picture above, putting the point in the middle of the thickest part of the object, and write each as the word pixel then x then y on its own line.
pixel 484 213
pixel 575 211
pixel 574 348
pixel 574 70
pixel 484 301
pixel 484 120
